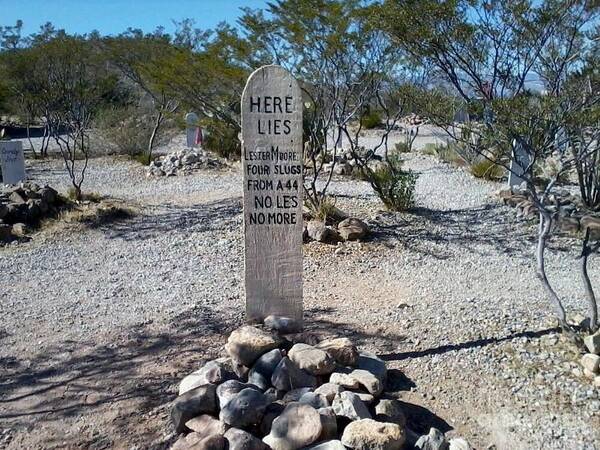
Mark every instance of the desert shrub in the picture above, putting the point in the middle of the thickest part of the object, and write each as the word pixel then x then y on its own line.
pixel 394 186
pixel 402 147
pixel 126 130
pixel 449 153
pixel 371 120
pixel 222 139
pixel 93 197
pixel 326 210
pixel 487 169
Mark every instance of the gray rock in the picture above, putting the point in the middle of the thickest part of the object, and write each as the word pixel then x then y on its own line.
pixel 229 389
pixel 329 390
pixel 592 343
pixel 435 440
pixel 459 444
pixel 348 405
pixel 214 442
pixel 5 232
pixel 315 400
pixel 318 231
pixel 328 424
pixel 213 372
pixel 367 380
pixel 205 425
pixel 590 362
pixel 311 359
pixel 201 400
pixel 273 410
pixel 19 229
pixel 344 379
pixel 295 394
pixel 367 434
pixel 242 440
pixel 282 325
pixel 371 363
pixel 352 229
pixel 341 349
pixel 261 372
pixel 298 426
pixel 390 411
pixel 367 399
pixel 288 376
pixel 328 445
pixel 247 344
pixel 244 409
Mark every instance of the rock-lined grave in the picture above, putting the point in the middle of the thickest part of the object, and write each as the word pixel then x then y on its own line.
pixel 273 391
pixel 272 176
pixel 184 162
pixel 12 162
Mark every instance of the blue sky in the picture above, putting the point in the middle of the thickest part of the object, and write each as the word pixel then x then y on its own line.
pixel 115 16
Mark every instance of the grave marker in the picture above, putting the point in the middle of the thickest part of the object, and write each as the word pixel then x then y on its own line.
pixel 192 129
pixel 12 162
pixel 519 164
pixel 272 164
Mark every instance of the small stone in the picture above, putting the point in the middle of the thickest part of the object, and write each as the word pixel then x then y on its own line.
pixel 589 374
pixel 20 229
pixel 288 376
pixel 329 390
pixel 298 426
pixel 213 372
pixel 367 434
pixel 591 362
pixel 315 400
pixel 592 343
pixel 390 411
pixel 317 231
pixel 244 409
pixel 597 381
pixel 348 405
pixel 328 424
pixel 214 442
pixel 371 363
pixel 328 445
pixel 247 344
pixel 229 389
pixel 435 440
pixel 341 349
pixel 368 380
pixel 260 374
pixel 459 444
pixel 206 425
pixel 295 394
pixel 352 229
pixel 201 400
pixel 344 380
pixel 311 359
pixel 242 440
pixel 282 325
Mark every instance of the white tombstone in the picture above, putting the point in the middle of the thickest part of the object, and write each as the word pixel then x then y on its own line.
pixel 272 163
pixel 519 164
pixel 12 162
pixel 192 129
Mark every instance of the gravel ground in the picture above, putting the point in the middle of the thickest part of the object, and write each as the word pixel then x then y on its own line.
pixel 99 323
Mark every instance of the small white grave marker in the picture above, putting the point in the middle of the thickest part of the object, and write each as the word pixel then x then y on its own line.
pixel 272 163
pixel 519 164
pixel 192 129
pixel 12 162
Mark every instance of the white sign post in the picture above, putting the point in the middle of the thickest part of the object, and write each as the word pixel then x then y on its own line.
pixel 12 162
pixel 519 164
pixel 272 163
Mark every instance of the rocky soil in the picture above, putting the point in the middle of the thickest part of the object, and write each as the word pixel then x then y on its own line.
pixel 100 324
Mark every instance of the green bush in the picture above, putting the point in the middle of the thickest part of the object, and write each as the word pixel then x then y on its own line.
pixel 449 153
pixel 222 139
pixel 486 169
pixel 402 147
pixel 370 120
pixel 127 130
pixel 394 186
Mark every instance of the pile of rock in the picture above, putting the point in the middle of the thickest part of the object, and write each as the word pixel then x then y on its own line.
pixel 591 361
pixel 570 214
pixel 345 164
pixel 350 229
pixel 23 206
pixel 273 392
pixel 183 162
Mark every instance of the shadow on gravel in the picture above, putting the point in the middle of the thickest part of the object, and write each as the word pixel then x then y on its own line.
pixel 114 385
pixel 466 345
pixel 222 215
pixel 476 230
